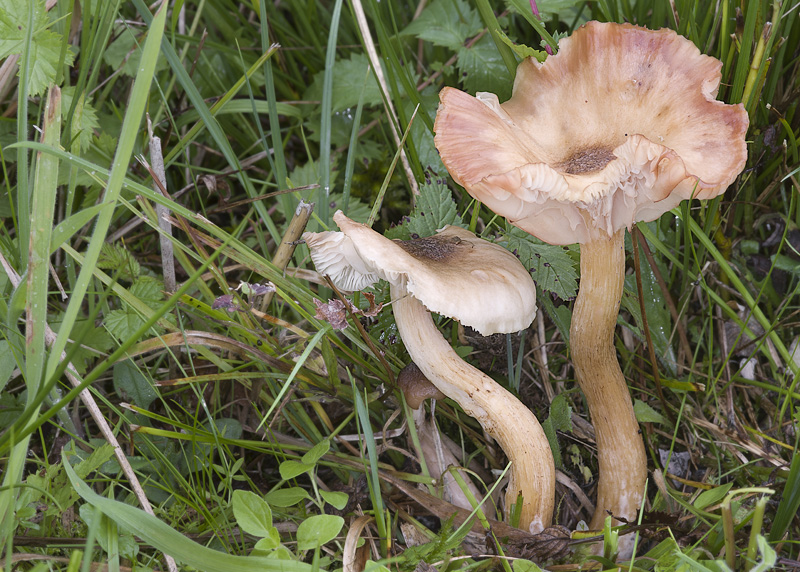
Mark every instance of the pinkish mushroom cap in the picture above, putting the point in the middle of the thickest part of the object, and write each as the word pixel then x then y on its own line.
pixel 619 126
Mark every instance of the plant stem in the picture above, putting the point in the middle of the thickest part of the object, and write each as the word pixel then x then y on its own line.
pixel 502 415
pixel 620 450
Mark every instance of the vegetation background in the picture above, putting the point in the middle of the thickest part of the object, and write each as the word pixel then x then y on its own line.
pixel 161 351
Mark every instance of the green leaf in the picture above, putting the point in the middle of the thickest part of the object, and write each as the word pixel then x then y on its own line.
pixel 84 119
pixel 317 530
pixel 289 496
pixel 168 540
pixel 336 499
pixel 316 452
pixel 522 50
pixel 553 269
pixel 149 290
pixel 270 541
pixel 646 414
pixel 446 23
pixel 483 69
pixel 252 513
pixel 713 496
pixel 552 441
pixel 434 209
pixel 131 385
pixel 7 364
pixel 561 413
pixel 124 53
pixel 525 566
pixel 116 257
pixel 291 469
pixel 348 79
pixel 46 45
pixel 659 319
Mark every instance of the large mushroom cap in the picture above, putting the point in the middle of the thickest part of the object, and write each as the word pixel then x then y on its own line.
pixel 619 126
pixel 453 273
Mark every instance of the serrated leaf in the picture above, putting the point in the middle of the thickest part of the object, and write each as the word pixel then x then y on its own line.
pixel 149 290
pixel 522 50
pixel 44 58
pixel 84 119
pixel 552 268
pixel 336 499
pixel 483 69
pixel 291 469
pixel 132 386
pixel 646 414
pixel 434 209
pixel 317 530
pixel 446 23
pixel 117 258
pixel 287 497
pixel 123 323
pixel 252 513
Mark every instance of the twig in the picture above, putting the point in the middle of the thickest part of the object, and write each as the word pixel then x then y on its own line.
pixel 285 251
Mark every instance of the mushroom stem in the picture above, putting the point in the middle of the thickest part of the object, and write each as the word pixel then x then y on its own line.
pixel 620 449
pixel 502 416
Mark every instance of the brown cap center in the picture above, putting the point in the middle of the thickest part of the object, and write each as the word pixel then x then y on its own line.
pixel 587 160
pixel 438 248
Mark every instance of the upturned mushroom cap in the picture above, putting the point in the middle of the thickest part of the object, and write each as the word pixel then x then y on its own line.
pixel 453 273
pixel 619 126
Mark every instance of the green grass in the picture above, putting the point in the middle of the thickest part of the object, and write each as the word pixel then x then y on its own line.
pixel 116 394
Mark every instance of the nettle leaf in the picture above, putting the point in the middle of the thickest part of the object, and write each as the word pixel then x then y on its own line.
pixel 45 51
pixel 124 322
pixel 435 208
pixel 552 267
pixel 483 69
pixel 446 23
pixel 117 258
pixel 149 290
pixel 84 120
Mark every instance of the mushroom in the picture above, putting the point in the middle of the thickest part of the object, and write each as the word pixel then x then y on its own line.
pixel 460 276
pixel 619 126
pixel 435 449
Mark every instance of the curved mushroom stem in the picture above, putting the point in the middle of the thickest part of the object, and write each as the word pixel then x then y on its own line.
pixel 503 416
pixel 620 449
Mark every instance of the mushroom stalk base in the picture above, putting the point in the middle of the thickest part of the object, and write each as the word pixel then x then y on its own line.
pixel 620 449
pixel 503 416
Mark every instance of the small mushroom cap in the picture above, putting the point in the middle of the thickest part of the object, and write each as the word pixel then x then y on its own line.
pixel 453 273
pixel 619 126
pixel 416 387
